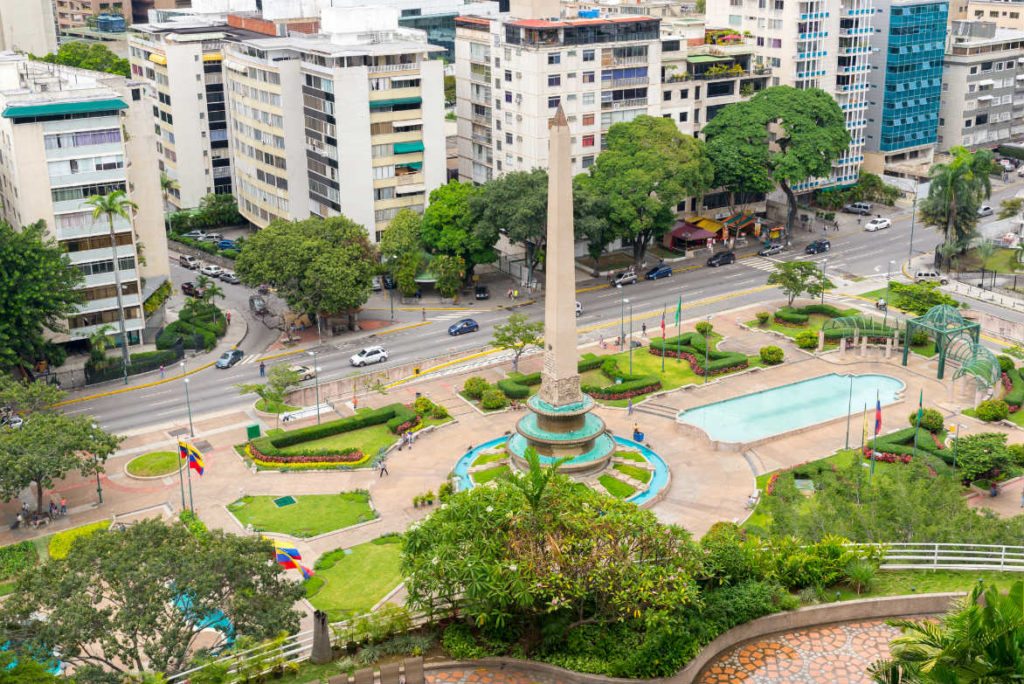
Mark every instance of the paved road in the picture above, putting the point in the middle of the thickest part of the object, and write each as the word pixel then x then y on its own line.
pixel 705 291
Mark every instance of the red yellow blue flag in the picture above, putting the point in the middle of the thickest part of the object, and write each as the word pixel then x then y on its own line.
pixel 195 460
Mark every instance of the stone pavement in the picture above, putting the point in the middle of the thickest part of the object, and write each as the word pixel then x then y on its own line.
pixel 482 675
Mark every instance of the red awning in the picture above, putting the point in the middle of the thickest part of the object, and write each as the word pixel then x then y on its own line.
pixel 689 232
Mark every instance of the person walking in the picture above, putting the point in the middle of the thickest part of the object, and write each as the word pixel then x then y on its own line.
pixel 383 469
pixel 1022 497
pixel 162 369
pixel 423 313
pixel 643 330
pixel 227 317
pixel 63 506
pixel 263 370
pixel 629 406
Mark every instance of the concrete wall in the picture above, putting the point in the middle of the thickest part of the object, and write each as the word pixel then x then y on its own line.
pixel 28 26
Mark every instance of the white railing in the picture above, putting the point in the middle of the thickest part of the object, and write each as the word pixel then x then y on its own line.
pixel 925 556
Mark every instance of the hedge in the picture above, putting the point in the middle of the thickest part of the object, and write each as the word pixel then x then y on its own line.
pixel 901 442
pixel 516 385
pixel 192 337
pixel 141 362
pixel 1015 397
pixel 799 316
pixel 60 543
pixel 691 346
pixel 627 386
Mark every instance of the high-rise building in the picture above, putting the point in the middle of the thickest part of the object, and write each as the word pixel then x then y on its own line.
pixel 811 44
pixel 906 83
pixel 1003 13
pixel 349 121
pixel 28 26
pixel 65 135
pixel 982 86
pixel 77 13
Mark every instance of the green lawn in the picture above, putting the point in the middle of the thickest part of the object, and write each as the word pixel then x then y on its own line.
pixel 7 587
pixel 900 582
pixel 1017 418
pixel 641 474
pixel 484 476
pixel 369 440
pixel 154 463
pixel 616 487
pixel 309 516
pixel 631 456
pixel 484 459
pixel 274 407
pixel 1001 261
pixel 353 582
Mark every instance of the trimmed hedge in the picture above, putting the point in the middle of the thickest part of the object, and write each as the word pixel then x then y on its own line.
pixel 516 385
pixel 691 346
pixel 60 543
pixel 799 316
pixel 901 443
pixel 1015 397
pixel 628 386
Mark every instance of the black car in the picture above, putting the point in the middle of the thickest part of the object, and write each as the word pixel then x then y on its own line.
pixel 389 282
pixel 659 271
pixel 189 289
pixel 230 358
pixel 481 292
pixel 721 259
pixel 818 246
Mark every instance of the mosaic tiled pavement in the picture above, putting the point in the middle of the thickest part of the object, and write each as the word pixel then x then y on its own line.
pixel 485 676
pixel 834 654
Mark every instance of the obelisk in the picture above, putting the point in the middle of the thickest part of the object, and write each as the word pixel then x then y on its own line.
pixel 560 380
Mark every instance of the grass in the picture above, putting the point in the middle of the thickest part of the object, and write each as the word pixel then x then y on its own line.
pixel 815 322
pixel 1001 261
pixel 352 583
pixel 7 587
pixel 902 582
pixel 616 487
pixel 610 261
pixel 631 456
pixel 1017 418
pixel 310 516
pixel 154 464
pixel 484 459
pixel 369 440
pixel 274 406
pixel 484 476
pixel 641 474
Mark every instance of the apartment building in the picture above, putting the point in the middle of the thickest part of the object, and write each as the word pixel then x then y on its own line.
pixel 28 26
pixel 512 73
pixel 1003 13
pixel 76 13
pixel 905 83
pixel 811 44
pixel 286 96
pixel 65 135
pixel 982 86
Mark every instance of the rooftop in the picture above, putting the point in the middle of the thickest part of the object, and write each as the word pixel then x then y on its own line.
pixel 29 88
pixel 545 23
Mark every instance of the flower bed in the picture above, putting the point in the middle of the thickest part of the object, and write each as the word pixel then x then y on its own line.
pixel 886 457
pixel 769 488
pixel 343 456
pixel 626 387
pixel 691 347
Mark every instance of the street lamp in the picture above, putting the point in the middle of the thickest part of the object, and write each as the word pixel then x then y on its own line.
pixel 188 405
pixel 630 335
pixel 99 487
pixel 824 264
pixel 707 346
pixel 622 317
pixel 316 380
pixel 888 296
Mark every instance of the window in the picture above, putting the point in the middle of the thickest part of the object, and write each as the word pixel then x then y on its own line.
pixel 555 58
pixel 666 96
pixel 508 75
pixel 588 119
pixel 684 93
pixel 554 80
pixel 588 55
pixel 683 116
pixel 776 42
pixel 588 76
pixel 508 138
pixel 554 102
pixel 981 120
pixel 588 161
pixel 779 4
pixel 508 96
pixel 968 123
pixel 588 140
pixel 588 99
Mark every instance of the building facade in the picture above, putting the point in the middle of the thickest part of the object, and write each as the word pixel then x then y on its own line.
pixel 76 13
pixel 1003 13
pixel 28 26
pixel 906 83
pixel 286 96
pixel 982 86
pixel 811 44
pixel 65 135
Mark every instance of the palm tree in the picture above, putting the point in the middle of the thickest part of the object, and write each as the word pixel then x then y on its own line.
pixel 211 293
pixel 956 191
pixel 115 204
pixel 985 251
pixel 167 184
pixel 99 342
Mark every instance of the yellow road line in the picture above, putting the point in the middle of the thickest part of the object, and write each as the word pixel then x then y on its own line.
pixel 446 364
pixel 123 390
pixel 422 308
pixel 602 286
pixel 389 331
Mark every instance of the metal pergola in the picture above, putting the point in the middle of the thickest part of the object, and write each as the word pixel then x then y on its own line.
pixel 944 324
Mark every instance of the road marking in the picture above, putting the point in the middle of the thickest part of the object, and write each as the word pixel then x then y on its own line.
pixel 603 286
pixel 392 331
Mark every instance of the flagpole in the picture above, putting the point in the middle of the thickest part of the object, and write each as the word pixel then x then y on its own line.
pixel 679 327
pixel 664 310
pixel 917 427
pixel 877 425
pixel 181 478
pixel 188 467
pixel 849 411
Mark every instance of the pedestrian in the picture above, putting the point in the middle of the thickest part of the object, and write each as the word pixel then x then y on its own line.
pixel 24 507
pixel 515 295
pixel 53 509
pixel 162 371
pixel 263 369
pixel 1022 497
pixel 423 313
pixel 383 469
pixel 629 406
pixel 509 293
pixel 227 317
pixel 63 506
pixel 643 330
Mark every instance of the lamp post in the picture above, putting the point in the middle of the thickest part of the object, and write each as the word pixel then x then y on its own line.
pixel 622 317
pixel 630 335
pixel 316 381
pixel 99 487
pixel 849 411
pixel 707 346
pixel 888 296
pixel 824 264
pixel 913 222
pixel 188 405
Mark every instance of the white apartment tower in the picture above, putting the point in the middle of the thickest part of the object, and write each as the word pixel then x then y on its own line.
pixel 811 44
pixel 67 134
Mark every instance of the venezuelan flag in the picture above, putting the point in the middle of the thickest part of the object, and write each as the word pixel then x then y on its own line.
pixel 182 450
pixel 306 572
pixel 195 460
pixel 289 551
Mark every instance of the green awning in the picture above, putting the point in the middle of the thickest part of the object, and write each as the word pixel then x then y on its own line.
pixel 408 147
pixel 377 104
pixel 412 165
pixel 704 59
pixel 57 108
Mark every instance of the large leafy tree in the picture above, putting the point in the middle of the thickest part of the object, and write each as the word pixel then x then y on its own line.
pixel 517 335
pixel 131 601
pixel 450 272
pixel 590 214
pixel 516 205
pixel 280 381
pixel 647 169
pixel 450 227
pixel 782 136
pixel 37 291
pixel 957 190
pixel 88 55
pixel 401 250
pixel 795 278
pixel 317 265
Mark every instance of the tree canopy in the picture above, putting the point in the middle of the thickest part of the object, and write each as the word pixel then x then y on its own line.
pixel 646 170
pixel 957 190
pixel 782 136
pixel 318 265
pixel 37 292
pixel 401 250
pixel 131 600
pixel 517 335
pixel 449 226
pixel 88 55
pixel 516 205
pixel 795 278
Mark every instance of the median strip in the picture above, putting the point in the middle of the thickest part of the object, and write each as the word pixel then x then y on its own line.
pixel 391 331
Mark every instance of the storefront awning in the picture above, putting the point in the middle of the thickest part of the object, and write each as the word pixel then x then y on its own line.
pixel 690 233
pixel 407 123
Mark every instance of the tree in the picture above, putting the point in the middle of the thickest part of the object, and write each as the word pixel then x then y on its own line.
pixel 131 601
pixel 450 272
pixel 25 398
pixel 37 292
pixel 401 250
pixel 280 380
pixel 797 277
pixel 217 210
pixel 647 169
pixel 518 335
pixel 449 226
pixel 317 265
pixel 167 185
pixel 981 455
pixel 956 191
pixel 88 55
pixel 980 639
pixel 211 293
pixel 1010 208
pixel 590 211
pixel 516 205
pixel 782 136
pixel 985 250
pixel 449 90
pixel 99 342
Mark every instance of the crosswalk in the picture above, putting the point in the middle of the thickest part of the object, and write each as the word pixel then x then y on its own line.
pixel 769 264
pixel 450 316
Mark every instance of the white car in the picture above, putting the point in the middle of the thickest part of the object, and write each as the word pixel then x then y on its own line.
pixel 369 355
pixel 984 210
pixel 877 224
pixel 211 270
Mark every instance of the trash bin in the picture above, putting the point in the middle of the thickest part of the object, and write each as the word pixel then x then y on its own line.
pixel 415 371
pixel 252 431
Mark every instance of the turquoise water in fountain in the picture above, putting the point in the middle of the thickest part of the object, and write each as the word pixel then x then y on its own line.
pixel 751 417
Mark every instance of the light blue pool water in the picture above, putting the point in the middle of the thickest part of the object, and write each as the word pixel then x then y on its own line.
pixel 782 409
pixel 658 480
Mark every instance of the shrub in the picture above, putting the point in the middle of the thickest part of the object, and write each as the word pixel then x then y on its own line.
pixel 493 399
pixel 60 543
pixel 772 355
pixel 704 328
pixel 762 317
pixel 15 558
pixel 1005 363
pixel 459 643
pixel 196 526
pixel 807 339
pixel 1015 397
pixel 157 299
pixel 919 338
pixel 931 420
pixel 424 406
pixel 791 316
pixel 513 389
pixel 860 575
pixel 992 410
pixel 475 386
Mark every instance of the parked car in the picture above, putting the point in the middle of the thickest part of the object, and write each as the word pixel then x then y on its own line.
pixel 257 305
pixel 305 372
pixel 481 292
pixel 369 355
pixel 227 244
pixel 930 277
pixel 1020 171
pixel 771 250
pixel 627 277
pixel 466 325
pixel 195 235
pixel 877 224
pixel 229 277
pixel 984 210
pixel 389 282
pixel 579 309
pixel 376 284
pixel 211 270
pixel 212 237
pixel 722 259
pixel 862 208
pixel 230 358
pixel 659 271
pixel 818 246
pixel 189 262
pixel 189 289
pixel 1007 164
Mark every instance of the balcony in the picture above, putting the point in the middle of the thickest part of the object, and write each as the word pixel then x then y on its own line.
pixel 620 82
pixel 625 104
pixel 101 149
pixel 481 118
pixel 484 139
pixel 99 254
pixel 88 177
pixel 97 279
pixel 108 303
pixel 385 68
pixel 130 324
pixel 409 179
pixel 99 227
pixel 677 78
pixel 619 61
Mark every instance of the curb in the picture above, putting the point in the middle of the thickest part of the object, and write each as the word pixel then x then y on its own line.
pixel 401 328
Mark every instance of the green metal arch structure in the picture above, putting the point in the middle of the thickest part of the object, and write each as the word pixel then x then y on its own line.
pixel 944 325
pixel 973 359
pixel 846 326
